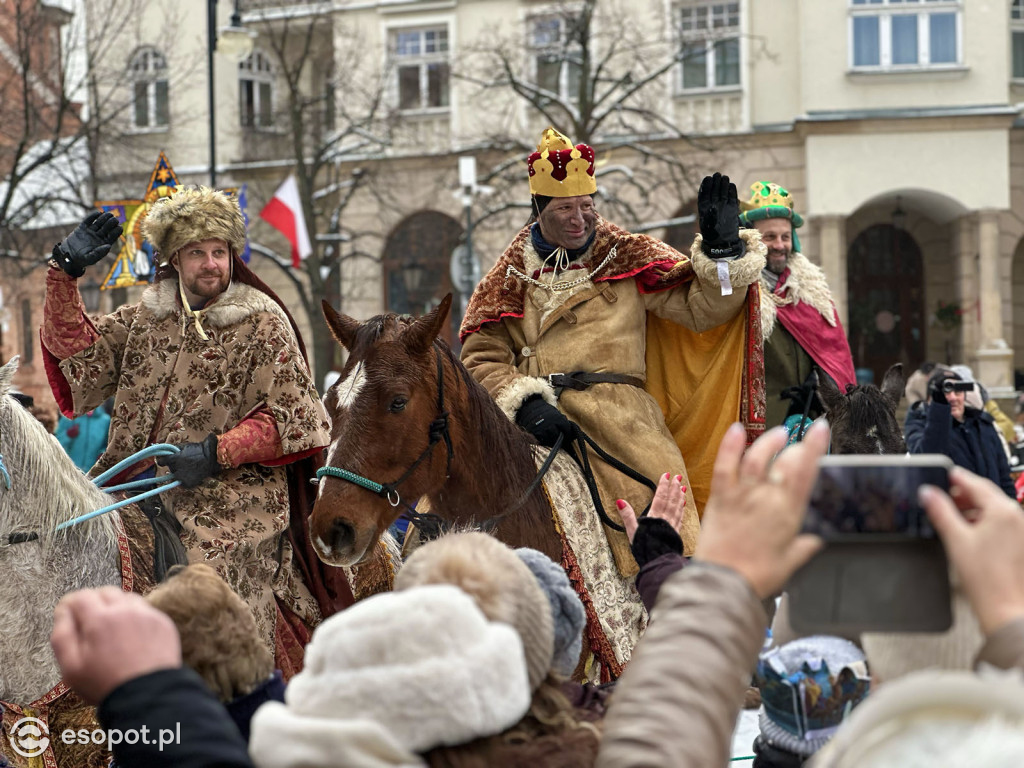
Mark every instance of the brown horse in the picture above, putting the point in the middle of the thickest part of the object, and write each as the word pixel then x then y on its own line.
pixel 863 419
pixel 399 380
pixel 410 423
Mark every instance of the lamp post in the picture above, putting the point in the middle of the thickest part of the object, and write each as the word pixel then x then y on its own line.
pixel 236 41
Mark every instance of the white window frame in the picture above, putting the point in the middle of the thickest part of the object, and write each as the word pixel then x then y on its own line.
pixel 885 11
pixel 422 60
pixel 560 48
pixel 259 69
pixel 1016 28
pixel 711 36
pixel 153 70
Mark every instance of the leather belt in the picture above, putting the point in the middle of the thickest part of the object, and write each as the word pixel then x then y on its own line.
pixel 581 381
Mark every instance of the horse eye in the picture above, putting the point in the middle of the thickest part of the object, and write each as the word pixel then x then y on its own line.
pixel 397 404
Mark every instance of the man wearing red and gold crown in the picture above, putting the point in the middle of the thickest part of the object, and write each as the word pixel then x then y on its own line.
pixel 651 353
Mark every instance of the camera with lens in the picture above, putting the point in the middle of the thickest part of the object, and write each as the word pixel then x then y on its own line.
pixel 952 385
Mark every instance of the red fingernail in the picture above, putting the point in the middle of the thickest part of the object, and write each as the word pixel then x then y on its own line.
pixel 679 478
pixel 620 504
pixel 666 475
pixel 684 489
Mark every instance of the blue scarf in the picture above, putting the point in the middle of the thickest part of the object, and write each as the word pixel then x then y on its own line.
pixel 545 249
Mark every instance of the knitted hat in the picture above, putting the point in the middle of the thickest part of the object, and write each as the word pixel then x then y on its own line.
pixel 770 201
pixel 402 671
pixel 192 215
pixel 567 611
pixel 807 687
pixel 935 719
pixel 501 584
pixel 558 169
pixel 895 654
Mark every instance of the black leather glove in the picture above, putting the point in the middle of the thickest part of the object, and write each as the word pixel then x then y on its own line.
pixel 718 211
pixel 544 422
pixel 194 462
pixel 89 243
pixel 936 393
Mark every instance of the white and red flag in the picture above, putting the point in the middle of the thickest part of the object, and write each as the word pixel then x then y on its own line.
pixel 284 213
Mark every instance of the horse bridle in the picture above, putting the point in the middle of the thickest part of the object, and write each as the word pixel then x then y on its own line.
pixel 436 431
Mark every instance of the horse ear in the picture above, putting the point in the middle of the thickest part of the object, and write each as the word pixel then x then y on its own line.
pixel 421 334
pixel 343 328
pixel 829 393
pixel 893 383
pixel 7 372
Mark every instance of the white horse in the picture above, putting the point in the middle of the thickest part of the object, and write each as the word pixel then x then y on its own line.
pixel 45 489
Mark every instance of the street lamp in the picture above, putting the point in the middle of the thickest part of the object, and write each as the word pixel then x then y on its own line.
pixel 237 42
pixel 414 275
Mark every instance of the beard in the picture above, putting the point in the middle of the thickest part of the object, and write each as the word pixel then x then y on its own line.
pixel 207 288
pixel 777 260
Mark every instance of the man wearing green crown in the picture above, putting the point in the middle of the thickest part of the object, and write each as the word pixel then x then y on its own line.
pixel 799 322
pixel 652 353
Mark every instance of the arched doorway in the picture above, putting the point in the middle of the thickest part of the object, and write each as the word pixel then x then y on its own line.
pixel 887 317
pixel 416 266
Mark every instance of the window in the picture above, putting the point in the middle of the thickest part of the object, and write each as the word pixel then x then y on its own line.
pixel 709 46
pixel 421 64
pixel 1017 33
pixel 256 91
pixel 556 59
pixel 904 34
pixel 147 73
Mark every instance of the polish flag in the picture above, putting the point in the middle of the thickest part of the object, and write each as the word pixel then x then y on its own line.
pixel 284 213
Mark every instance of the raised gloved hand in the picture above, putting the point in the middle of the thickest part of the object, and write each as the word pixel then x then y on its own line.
pixel 718 212
pixel 936 392
pixel 544 422
pixel 89 243
pixel 194 462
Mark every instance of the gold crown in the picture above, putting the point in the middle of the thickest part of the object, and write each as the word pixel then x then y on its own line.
pixel 558 169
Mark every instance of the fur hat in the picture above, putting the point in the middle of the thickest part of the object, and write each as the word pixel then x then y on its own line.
pixel 567 611
pixel 219 639
pixel 501 584
pixel 193 214
pixel 393 675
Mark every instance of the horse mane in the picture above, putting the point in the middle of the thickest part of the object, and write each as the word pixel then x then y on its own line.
pixel 47 488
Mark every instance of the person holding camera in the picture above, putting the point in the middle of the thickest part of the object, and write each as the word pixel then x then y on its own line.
pixel 946 424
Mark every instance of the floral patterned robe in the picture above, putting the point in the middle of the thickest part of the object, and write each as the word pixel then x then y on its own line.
pixel 172 386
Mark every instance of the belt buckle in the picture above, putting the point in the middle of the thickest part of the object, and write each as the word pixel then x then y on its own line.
pixel 551 378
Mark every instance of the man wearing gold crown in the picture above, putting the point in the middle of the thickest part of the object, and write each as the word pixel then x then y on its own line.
pixel 799 322
pixel 651 353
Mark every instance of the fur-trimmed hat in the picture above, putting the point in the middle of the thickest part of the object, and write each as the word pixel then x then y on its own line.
pixel 498 581
pixel 396 674
pixel 193 214
pixel 567 611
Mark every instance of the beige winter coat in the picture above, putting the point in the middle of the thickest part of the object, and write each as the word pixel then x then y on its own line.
pixel 601 327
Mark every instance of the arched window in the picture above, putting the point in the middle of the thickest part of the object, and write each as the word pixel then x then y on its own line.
pixel 256 91
pixel 147 73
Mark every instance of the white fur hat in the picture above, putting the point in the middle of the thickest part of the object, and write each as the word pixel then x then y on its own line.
pixel 424 665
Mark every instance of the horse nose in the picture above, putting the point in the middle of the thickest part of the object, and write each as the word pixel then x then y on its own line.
pixel 342 536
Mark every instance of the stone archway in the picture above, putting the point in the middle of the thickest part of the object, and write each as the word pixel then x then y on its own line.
pixel 416 265
pixel 888 319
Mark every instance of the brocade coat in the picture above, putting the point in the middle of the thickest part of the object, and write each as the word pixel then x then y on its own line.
pixel 600 326
pixel 172 386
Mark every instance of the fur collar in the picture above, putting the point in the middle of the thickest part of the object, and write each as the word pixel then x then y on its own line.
pixel 237 303
pixel 805 283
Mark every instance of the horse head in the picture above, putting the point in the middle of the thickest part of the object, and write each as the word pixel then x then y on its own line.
pixel 863 419
pixel 386 429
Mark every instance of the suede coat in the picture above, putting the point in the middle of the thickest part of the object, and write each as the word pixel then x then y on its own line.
pixel 516 333
pixel 172 386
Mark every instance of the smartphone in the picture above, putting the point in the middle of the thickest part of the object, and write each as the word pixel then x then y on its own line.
pixel 858 495
pixel 882 569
